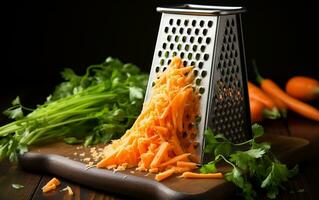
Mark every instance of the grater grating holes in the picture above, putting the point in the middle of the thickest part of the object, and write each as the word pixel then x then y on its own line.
pixel 186 22
pixel 202 48
pixel 199 40
pixel 188 39
pixel 200 65
pixel 201 23
pixel 157 69
pixel 173 30
pixel 210 23
pixel 194 23
pixel 208 40
pixel 228 98
pixel 205 31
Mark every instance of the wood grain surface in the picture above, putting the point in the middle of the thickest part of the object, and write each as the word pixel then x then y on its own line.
pixel 303 186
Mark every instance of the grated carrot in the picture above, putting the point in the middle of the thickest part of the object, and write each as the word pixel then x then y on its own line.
pixel 163 175
pixel 164 133
pixel 190 165
pixel 201 176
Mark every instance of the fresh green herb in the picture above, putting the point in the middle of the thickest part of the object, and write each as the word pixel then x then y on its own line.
pixel 17 186
pixel 254 169
pixel 72 140
pixel 88 109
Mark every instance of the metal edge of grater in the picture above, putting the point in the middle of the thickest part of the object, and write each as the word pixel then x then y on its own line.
pixel 211 39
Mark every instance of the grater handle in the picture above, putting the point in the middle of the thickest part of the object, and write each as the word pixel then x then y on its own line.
pixel 192 9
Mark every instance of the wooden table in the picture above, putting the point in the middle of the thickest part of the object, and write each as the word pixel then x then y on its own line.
pixel 304 186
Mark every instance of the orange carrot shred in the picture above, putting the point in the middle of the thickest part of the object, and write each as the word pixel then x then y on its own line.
pixel 164 175
pixel 162 137
pixel 201 176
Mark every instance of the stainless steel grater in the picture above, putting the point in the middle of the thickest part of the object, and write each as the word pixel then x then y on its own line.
pixel 209 38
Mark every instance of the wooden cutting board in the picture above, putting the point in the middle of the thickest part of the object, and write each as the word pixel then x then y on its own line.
pixel 66 161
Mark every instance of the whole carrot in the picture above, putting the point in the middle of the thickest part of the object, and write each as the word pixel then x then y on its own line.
pixel 281 106
pixel 293 104
pixel 303 88
pixel 259 95
pixel 258 111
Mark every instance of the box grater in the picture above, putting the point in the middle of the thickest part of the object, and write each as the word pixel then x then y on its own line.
pixel 209 38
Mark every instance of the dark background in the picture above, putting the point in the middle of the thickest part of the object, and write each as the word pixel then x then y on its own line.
pixel 40 39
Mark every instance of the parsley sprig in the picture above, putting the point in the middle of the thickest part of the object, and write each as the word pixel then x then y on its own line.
pixel 255 170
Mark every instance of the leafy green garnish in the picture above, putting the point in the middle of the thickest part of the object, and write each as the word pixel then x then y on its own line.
pixel 253 169
pixel 17 186
pixel 88 109
pixel 72 140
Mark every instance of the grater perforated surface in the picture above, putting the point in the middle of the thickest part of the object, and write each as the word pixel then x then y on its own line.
pixel 211 44
pixel 228 111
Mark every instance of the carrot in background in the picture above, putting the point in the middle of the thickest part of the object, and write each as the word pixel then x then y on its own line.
pixel 258 111
pixel 257 94
pixel 303 88
pixel 293 104
pixel 281 106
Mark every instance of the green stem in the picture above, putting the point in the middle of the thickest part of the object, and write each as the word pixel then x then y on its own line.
pixel 10 129
pixel 53 107
pixel 243 143
pixel 316 91
pixel 13 127
pixel 78 109
pixel 226 160
pixel 66 122
pixel 36 133
pixel 271 114
pixel 259 78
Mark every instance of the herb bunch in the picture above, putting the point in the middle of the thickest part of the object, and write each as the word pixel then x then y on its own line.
pixel 88 109
pixel 254 170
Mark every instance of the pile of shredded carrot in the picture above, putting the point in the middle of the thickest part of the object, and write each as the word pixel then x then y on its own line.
pixel 163 138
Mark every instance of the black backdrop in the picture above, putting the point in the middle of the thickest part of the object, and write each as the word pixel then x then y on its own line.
pixel 40 39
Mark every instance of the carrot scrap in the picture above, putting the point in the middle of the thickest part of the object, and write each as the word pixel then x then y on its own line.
pixel 175 159
pixel 51 185
pixel 69 189
pixel 190 165
pixel 70 192
pixel 163 175
pixel 200 176
pixel 48 188
pixel 164 133
pixel 153 170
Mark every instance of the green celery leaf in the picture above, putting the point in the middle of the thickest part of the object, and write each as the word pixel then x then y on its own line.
pixel 223 149
pixel 208 168
pixel 263 146
pixel 17 186
pixel 106 137
pixel 136 93
pixel 14 112
pixel 255 153
pixel 209 137
pixel 88 140
pixel 257 130
pixel 72 140
pixel 16 101
pixel 238 179
pixel 23 148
